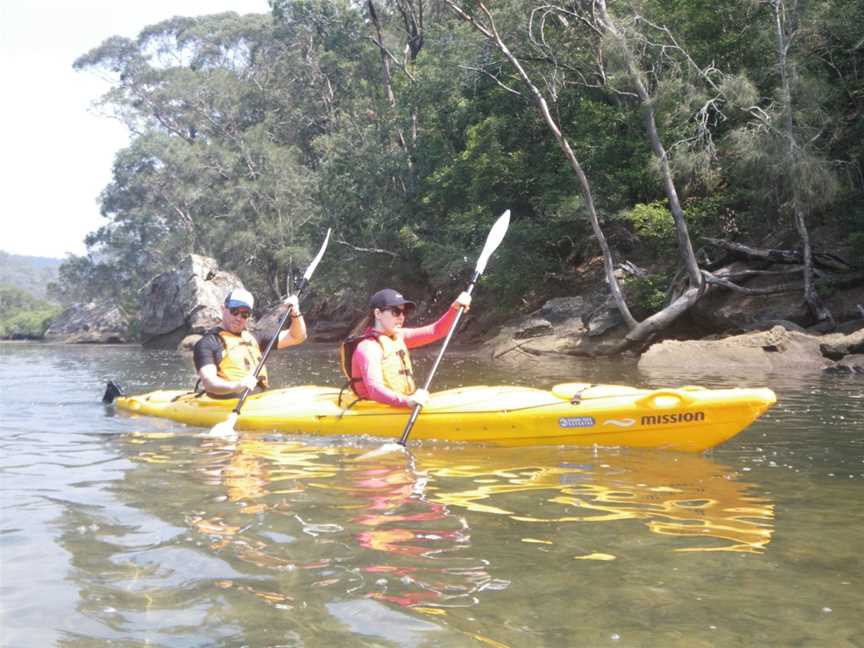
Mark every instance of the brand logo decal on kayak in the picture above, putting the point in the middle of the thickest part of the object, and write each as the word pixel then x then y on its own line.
pixel 625 423
pixel 576 421
pixel 675 417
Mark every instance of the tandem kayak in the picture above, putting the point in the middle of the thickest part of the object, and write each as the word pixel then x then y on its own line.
pixel 685 419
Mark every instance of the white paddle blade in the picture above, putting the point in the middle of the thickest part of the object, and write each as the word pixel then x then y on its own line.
pixel 317 258
pixel 380 451
pixel 496 235
pixel 226 427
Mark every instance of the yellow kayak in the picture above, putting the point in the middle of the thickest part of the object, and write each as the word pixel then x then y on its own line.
pixel 688 419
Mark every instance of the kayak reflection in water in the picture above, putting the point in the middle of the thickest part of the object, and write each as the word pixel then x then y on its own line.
pixel 226 356
pixel 375 358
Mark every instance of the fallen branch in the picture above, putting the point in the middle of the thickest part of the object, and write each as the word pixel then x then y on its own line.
pixel 357 248
pixel 761 254
pixel 838 281
pixel 768 290
pixel 774 255
pixel 730 275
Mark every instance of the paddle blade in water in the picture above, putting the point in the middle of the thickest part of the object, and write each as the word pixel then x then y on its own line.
pixel 112 391
pixel 385 449
pixel 226 427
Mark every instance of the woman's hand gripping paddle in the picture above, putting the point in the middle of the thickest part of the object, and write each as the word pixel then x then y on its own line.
pixel 226 427
pixel 493 240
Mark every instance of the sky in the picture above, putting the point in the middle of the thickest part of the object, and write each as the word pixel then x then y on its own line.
pixel 56 150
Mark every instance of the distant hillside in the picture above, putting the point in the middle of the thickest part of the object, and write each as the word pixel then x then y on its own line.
pixel 28 273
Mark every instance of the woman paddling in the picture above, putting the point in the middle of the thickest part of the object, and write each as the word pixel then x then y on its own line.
pixel 375 356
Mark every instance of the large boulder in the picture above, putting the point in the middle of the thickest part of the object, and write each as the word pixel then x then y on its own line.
pixel 724 310
pixel 329 317
pixel 565 325
pixel 773 351
pixel 185 300
pixel 334 314
pixel 847 350
pixel 93 323
pixel 853 364
pixel 721 310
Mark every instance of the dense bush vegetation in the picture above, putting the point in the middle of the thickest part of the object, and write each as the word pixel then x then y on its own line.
pixel 23 316
pixel 256 133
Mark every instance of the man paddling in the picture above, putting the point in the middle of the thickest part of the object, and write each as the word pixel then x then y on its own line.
pixel 226 356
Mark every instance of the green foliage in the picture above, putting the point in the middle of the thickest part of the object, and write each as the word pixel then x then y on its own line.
pixel 524 265
pixel 729 34
pixel 23 316
pixel 713 215
pixel 783 153
pixel 254 134
pixel 81 279
pixel 647 293
pixel 652 223
pixel 716 215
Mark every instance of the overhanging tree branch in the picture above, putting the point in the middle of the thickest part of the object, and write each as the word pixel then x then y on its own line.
pixel 367 250
pixel 489 30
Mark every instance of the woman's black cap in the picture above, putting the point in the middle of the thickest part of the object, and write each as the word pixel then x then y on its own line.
pixel 387 298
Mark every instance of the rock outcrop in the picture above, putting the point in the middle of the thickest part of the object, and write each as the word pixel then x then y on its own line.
pixel 565 325
pixel 333 315
pixel 853 364
pixel 184 301
pixel 93 323
pixel 724 310
pixel 774 351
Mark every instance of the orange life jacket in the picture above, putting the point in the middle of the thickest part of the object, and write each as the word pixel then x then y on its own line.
pixel 240 357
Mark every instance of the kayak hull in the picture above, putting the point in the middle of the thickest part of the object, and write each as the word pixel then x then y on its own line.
pixel 690 419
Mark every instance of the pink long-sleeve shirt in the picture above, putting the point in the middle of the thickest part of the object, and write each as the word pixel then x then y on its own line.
pixel 366 361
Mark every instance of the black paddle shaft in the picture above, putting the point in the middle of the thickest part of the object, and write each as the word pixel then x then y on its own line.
pixel 416 411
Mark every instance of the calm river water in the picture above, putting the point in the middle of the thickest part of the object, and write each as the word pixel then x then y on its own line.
pixel 137 532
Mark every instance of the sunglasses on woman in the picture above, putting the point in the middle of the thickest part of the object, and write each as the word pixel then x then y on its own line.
pixel 398 311
pixel 245 313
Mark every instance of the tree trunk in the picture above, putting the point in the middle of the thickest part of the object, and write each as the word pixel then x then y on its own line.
pixel 685 247
pixel 814 302
pixel 388 83
pixel 490 32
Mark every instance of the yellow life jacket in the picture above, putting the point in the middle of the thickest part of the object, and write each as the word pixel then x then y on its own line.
pixel 240 357
pixel 396 368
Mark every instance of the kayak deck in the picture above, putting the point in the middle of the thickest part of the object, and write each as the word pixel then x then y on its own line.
pixel 685 419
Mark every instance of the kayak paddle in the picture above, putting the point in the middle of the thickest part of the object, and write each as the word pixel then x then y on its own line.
pixel 226 427
pixel 493 240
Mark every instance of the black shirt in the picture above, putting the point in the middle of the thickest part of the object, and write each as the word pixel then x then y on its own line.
pixel 208 350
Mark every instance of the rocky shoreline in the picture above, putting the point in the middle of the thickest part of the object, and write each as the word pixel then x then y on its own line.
pixel 181 305
pixel 780 348
pixel 776 350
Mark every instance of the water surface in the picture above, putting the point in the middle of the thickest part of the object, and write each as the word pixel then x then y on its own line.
pixel 132 531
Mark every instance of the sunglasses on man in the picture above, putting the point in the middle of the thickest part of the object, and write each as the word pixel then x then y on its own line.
pixel 245 313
